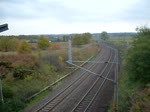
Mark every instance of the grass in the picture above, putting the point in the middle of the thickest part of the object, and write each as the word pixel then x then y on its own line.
pixel 38 98
pixel 127 39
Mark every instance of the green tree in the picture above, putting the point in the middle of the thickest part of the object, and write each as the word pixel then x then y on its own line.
pixel 77 40
pixel 138 61
pixel 86 37
pixel 43 43
pixel 15 44
pixel 104 35
pixel 5 44
pixel 80 39
pixel 24 47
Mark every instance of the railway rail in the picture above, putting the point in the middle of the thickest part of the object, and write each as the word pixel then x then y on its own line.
pixel 79 94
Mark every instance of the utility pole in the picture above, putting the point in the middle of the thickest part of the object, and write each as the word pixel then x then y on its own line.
pixel 3 27
pixel 1 91
pixel 69 50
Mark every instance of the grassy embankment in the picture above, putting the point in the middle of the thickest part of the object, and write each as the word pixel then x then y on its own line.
pixel 132 95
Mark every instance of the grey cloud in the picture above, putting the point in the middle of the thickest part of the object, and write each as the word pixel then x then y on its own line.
pixel 138 12
pixel 27 9
pixel 31 9
pixel 36 9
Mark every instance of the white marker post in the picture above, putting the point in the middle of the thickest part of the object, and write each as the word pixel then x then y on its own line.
pixel 69 51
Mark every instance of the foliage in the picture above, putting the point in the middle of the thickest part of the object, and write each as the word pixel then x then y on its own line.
pixel 104 35
pixel 141 100
pixel 15 44
pixel 134 73
pixel 43 43
pixel 19 84
pixel 24 47
pixel 65 38
pixel 54 60
pixel 20 65
pixel 56 46
pixel 138 61
pixel 12 105
pixel 80 39
pixel 86 37
pixel 7 44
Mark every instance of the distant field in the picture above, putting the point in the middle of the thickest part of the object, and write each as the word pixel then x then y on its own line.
pixel 127 39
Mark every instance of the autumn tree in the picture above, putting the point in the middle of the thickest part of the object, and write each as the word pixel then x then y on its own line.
pixel 86 37
pixel 8 44
pixel 104 35
pixel 5 44
pixel 77 40
pixel 24 47
pixel 55 46
pixel 80 39
pixel 43 43
pixel 15 44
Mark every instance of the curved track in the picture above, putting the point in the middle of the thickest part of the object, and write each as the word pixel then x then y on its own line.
pixel 79 94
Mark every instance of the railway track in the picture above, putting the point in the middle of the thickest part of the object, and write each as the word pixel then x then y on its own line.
pixel 79 94
pixel 86 101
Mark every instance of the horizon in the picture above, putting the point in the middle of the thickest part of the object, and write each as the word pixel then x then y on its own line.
pixel 67 34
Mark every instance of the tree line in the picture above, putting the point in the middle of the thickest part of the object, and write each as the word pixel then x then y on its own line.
pixel 21 46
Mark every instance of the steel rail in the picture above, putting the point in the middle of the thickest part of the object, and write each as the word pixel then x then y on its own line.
pixel 63 77
pixel 88 106
pixel 74 109
pixel 82 76
pixel 92 72
pixel 62 91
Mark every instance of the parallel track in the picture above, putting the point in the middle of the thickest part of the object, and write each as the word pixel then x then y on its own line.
pixel 90 95
pixel 85 87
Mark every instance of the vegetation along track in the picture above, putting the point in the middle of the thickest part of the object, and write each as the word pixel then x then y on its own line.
pixel 76 95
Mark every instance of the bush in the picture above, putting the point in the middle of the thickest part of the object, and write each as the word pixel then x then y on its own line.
pixel 54 60
pixel 81 39
pixel 43 43
pixel 56 46
pixel 5 44
pixel 20 64
pixel 24 47
pixel 138 61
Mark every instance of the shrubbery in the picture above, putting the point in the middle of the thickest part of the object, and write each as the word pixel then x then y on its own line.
pixel 138 61
pixel 7 44
pixel 43 43
pixel 20 65
pixel 24 47
pixel 134 78
pixel 24 74
pixel 81 39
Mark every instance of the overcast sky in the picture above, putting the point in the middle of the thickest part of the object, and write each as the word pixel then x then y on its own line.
pixel 73 16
